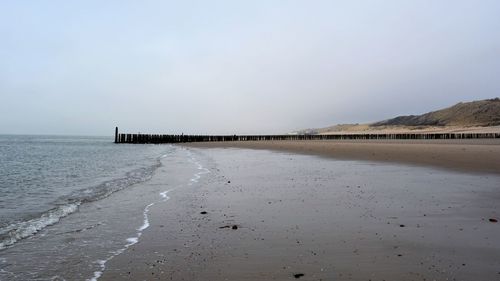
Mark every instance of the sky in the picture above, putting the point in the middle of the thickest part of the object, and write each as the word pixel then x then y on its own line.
pixel 238 67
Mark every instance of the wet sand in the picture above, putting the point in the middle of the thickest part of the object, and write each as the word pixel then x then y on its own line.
pixel 261 215
pixel 461 155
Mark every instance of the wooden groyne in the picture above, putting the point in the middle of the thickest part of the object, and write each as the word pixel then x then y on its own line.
pixel 157 139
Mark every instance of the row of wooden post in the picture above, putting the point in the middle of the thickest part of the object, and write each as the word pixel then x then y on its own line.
pixel 157 139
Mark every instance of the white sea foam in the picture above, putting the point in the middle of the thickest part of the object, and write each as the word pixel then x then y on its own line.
pixel 20 230
pixel 134 240
pixel 196 177
pixel 164 194
pixel 16 231
pixel 97 274
pixel 146 219
pixel 130 241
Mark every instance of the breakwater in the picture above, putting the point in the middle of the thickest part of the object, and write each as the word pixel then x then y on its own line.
pixel 162 138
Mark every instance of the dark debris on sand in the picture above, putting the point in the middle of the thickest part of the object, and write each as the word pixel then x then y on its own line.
pixel 229 226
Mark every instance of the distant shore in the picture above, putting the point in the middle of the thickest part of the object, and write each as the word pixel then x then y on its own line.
pixel 366 129
pixel 480 156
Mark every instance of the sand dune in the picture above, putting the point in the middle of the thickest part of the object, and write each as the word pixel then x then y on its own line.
pixel 468 117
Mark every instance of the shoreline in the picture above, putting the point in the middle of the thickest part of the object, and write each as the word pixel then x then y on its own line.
pixel 478 156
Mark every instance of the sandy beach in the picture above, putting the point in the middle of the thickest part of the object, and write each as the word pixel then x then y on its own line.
pixel 460 155
pixel 264 215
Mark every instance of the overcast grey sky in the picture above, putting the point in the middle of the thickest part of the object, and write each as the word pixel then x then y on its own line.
pixel 82 67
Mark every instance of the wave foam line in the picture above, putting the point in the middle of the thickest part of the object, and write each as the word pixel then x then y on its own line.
pixel 197 176
pixel 164 194
pixel 130 241
pixel 134 240
pixel 16 231
pixel 10 234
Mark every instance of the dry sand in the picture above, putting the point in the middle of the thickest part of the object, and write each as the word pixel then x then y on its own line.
pixel 482 155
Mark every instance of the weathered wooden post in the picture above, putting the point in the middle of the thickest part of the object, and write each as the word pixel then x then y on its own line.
pixel 116 135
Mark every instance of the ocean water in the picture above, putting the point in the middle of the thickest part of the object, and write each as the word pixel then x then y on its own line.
pixel 70 204
pixel 45 178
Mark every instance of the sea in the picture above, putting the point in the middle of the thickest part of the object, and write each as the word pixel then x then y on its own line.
pixel 69 204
